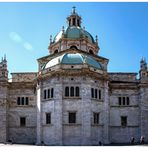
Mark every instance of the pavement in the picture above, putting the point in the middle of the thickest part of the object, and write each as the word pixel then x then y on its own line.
pixel 36 146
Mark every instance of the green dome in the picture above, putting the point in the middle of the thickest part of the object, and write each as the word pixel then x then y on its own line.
pixel 74 32
pixel 74 59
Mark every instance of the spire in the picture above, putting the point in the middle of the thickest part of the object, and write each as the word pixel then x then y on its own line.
pixel 74 19
pixel 5 57
pixel 50 39
pixel 63 29
pixel 96 39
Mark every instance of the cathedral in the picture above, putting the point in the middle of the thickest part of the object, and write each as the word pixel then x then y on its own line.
pixel 73 99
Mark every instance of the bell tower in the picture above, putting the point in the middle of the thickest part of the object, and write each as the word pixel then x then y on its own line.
pixel 3 99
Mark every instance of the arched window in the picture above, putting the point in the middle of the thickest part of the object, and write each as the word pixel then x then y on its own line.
pixel 52 92
pixel 123 100
pixel 48 93
pixel 27 101
pixel 23 101
pixel 91 52
pixel 71 91
pixel 66 91
pixel 77 92
pixel 74 47
pixel 92 92
pixel 127 103
pixel 99 94
pixel 56 51
pixel 18 101
pixel 44 94
pixel 74 22
pixel 96 93
pixel 78 21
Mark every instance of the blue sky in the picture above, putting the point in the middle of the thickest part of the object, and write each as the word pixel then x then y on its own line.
pixel 122 30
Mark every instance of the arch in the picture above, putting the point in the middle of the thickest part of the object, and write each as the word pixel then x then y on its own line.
pixel 73 47
pixel 91 52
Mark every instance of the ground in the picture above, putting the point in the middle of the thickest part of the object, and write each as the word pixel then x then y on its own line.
pixel 33 146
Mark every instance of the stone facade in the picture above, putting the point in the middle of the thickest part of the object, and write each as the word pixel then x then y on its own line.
pixel 73 99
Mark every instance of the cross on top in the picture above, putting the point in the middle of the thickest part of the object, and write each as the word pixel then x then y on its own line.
pixel 73 9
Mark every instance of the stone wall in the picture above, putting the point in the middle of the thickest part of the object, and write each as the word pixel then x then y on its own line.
pixel 3 112
pixel 60 132
pixel 16 133
pixel 128 77
pixel 23 77
pixel 119 133
pixel 144 111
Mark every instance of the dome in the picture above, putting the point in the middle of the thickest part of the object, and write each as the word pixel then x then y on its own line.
pixel 74 32
pixel 73 59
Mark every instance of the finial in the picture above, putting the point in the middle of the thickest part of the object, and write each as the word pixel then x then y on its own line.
pixel 50 39
pixel 142 60
pixel 73 9
pixel 96 39
pixel 5 57
pixel 62 29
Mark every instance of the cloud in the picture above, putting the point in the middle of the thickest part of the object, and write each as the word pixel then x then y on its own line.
pixel 18 39
pixel 15 37
pixel 27 46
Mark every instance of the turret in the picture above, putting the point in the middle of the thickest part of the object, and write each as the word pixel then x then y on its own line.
pixel 3 69
pixel 74 19
pixel 143 70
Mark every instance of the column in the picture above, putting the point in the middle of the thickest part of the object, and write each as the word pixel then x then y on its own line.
pixel 86 115
pixel 38 115
pixel 106 114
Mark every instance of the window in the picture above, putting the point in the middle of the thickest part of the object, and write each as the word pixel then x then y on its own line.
pixel 18 101
pixel 72 117
pixel 56 51
pixel 67 91
pixel 77 91
pixel 48 93
pixel 22 101
pixel 74 21
pixel 123 121
pixel 52 91
pixel 96 93
pixel 91 52
pixel 22 121
pixel 72 91
pixel 48 118
pixel 127 100
pixel 96 118
pixel 27 102
pixel 92 92
pixel 73 47
pixel 119 100
pixel 44 94
pixel 99 94
pixel 78 21
pixel 123 101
